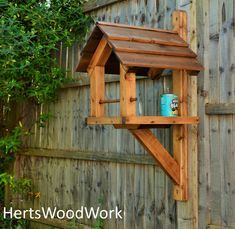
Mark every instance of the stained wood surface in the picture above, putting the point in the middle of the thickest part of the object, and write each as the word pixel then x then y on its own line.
pixel 146 36
pixel 127 92
pixel 100 56
pixel 153 61
pixel 138 47
pixel 180 133
pixel 159 153
pixel 97 91
pixel 145 120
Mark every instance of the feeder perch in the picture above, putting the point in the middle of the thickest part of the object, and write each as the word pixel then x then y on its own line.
pixel 129 51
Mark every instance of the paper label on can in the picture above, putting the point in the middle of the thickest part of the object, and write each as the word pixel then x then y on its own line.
pixel 174 106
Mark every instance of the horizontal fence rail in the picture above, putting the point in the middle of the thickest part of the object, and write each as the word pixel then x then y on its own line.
pixel 220 109
pixel 91 156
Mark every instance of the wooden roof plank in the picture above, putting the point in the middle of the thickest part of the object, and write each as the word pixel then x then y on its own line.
pixel 137 47
pixel 124 33
pixel 140 48
pixel 159 61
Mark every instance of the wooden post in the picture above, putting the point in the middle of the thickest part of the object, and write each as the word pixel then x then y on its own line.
pixel 97 81
pixel 97 91
pixel 127 93
pixel 180 133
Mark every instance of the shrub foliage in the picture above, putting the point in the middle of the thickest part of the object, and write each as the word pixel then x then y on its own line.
pixel 30 34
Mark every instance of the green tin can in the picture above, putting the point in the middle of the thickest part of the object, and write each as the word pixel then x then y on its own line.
pixel 169 105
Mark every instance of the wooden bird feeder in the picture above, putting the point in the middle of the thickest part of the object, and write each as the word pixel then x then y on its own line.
pixel 130 51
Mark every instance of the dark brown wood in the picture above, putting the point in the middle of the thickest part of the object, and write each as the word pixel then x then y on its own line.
pixel 115 100
pixel 100 56
pixel 145 40
pixel 133 99
pixel 138 48
pixel 158 37
pixel 150 48
pixel 155 61
pixel 155 73
pixel 110 101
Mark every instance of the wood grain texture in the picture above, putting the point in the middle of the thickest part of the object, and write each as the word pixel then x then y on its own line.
pixel 216 50
pixel 187 212
pixel 203 87
pixel 159 153
pixel 90 156
pixel 97 91
pixel 158 61
pixel 162 209
pixel 220 109
pixel 213 41
pixel 148 36
pixel 127 92
pixel 163 49
pixel 180 133
pixel 100 55
pixel 94 4
pixel 142 120
pixel 137 47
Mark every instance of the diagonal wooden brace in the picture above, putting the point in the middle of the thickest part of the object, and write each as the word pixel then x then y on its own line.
pixel 160 154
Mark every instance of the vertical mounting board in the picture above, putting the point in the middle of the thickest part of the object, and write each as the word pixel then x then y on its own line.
pixel 180 132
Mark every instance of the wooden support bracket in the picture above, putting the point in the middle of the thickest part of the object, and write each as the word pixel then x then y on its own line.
pixel 160 154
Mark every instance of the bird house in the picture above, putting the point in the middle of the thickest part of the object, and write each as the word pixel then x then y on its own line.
pixel 129 51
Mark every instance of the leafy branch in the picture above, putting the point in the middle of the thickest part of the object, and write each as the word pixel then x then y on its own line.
pixel 30 34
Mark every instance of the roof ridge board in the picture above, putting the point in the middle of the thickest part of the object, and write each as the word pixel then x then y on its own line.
pixel 135 27
pixel 160 48
pixel 159 53
pixel 144 40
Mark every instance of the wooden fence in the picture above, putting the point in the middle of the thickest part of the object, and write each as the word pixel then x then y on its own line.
pixel 73 165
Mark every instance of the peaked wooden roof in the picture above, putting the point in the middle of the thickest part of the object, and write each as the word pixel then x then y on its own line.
pixel 140 49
